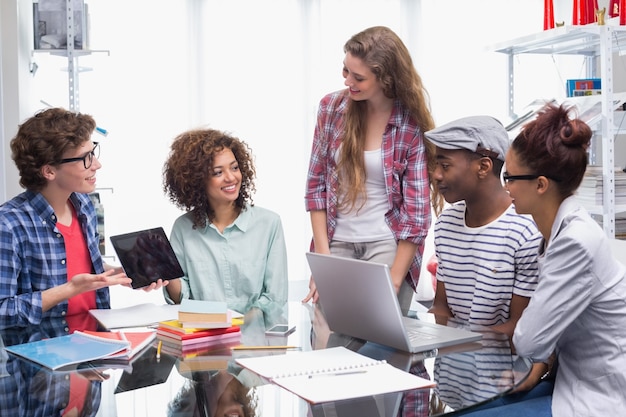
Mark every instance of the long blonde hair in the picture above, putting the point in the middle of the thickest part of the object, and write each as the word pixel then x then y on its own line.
pixel 390 61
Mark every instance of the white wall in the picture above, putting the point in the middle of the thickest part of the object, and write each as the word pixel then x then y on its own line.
pixel 257 69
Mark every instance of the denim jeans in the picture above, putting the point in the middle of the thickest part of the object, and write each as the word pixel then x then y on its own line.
pixel 536 403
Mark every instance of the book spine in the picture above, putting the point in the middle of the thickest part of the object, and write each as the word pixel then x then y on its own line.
pixel 197 340
pixel 215 317
pixel 204 333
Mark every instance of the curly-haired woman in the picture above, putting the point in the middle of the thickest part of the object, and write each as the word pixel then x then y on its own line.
pixel 229 249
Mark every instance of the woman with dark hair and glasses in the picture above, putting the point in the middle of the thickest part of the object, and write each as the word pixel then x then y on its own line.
pixel 50 264
pixel 578 309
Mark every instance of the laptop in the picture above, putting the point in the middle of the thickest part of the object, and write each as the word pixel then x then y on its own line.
pixel 146 256
pixel 358 299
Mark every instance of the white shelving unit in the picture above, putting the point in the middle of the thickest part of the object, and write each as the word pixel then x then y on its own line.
pixel 598 43
pixel 73 28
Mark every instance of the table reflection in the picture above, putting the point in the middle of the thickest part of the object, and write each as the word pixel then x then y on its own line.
pixel 209 383
pixel 478 375
pixel 213 393
pixel 28 389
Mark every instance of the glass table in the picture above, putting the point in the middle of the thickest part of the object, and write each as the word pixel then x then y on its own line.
pixel 212 384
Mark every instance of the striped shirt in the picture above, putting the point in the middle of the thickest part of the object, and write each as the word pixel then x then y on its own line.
pixel 482 267
pixel 405 173
pixel 33 257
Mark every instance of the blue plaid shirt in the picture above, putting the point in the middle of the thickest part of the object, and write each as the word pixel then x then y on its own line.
pixel 33 258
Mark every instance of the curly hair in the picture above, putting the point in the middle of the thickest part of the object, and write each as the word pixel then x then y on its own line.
pixel 388 58
pixel 555 145
pixel 189 166
pixel 44 138
pixel 198 396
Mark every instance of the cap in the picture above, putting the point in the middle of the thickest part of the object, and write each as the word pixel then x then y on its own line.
pixel 481 134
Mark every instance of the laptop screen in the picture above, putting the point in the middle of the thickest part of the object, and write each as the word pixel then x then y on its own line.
pixel 146 256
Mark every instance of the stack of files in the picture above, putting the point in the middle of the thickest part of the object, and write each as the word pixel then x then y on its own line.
pixel 174 335
pixel 70 351
pixel 589 193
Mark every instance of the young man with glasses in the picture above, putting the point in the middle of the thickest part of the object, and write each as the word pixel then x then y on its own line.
pixel 50 264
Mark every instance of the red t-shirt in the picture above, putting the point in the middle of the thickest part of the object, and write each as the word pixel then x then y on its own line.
pixel 77 261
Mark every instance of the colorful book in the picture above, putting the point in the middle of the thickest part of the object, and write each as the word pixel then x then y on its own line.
pixel 176 347
pixel 206 334
pixel 203 311
pixel 584 86
pixel 138 340
pixel 69 350
pixel 180 327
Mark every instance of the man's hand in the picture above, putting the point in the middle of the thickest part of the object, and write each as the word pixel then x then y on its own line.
pixel 81 283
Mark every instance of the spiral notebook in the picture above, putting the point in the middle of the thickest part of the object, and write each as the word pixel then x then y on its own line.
pixel 69 350
pixel 333 374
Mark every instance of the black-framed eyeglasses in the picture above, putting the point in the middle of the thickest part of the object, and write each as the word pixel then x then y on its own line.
pixel 506 178
pixel 87 158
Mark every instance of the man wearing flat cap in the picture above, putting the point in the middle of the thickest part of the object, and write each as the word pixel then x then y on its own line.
pixel 486 252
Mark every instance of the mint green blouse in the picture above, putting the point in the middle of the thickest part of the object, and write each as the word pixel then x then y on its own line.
pixel 246 266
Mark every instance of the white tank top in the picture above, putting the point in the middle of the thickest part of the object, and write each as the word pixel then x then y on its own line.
pixel 367 224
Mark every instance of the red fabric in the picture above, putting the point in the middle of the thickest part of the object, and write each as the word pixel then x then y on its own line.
pixel 431 267
pixel 77 261
pixel 79 387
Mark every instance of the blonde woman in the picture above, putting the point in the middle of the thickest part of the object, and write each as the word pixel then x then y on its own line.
pixel 367 189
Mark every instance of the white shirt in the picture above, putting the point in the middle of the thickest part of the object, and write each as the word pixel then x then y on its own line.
pixel 579 310
pixel 367 223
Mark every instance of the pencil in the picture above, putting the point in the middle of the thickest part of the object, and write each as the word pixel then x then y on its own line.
pixel 244 347
pixel 159 350
pixel 339 373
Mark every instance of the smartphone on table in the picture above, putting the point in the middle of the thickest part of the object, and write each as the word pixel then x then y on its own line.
pixel 280 330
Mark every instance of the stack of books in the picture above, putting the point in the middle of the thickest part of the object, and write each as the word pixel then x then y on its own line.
pixel 200 325
pixel 590 191
pixel 590 196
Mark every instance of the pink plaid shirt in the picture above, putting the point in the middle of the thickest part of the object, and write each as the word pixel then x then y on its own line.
pixel 405 168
